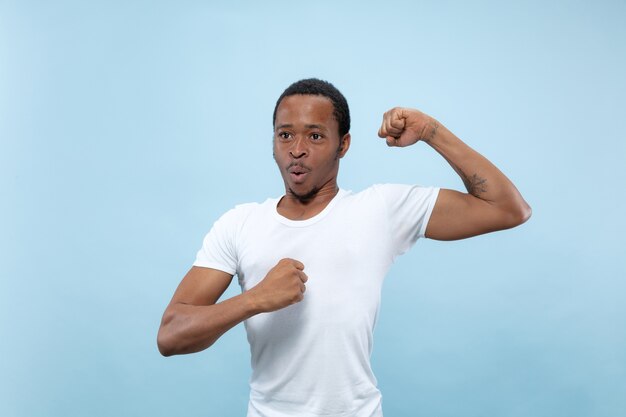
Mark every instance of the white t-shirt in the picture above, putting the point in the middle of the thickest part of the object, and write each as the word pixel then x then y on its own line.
pixel 312 358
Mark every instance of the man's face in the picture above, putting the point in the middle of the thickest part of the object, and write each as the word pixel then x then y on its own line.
pixel 307 146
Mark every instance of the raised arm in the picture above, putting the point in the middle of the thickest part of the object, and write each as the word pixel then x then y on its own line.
pixel 194 319
pixel 491 203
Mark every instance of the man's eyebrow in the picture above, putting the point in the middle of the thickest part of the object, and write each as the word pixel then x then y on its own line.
pixel 314 126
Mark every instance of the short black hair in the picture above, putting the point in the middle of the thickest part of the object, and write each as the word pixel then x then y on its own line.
pixel 316 87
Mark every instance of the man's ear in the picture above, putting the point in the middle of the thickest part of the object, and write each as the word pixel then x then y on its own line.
pixel 344 146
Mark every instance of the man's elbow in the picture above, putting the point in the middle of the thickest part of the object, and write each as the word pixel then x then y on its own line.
pixel 166 338
pixel 166 348
pixel 518 214
pixel 171 342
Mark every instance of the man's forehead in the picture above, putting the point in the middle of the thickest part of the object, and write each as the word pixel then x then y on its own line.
pixel 318 109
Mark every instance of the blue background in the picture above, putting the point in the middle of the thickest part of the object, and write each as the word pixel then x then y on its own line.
pixel 127 128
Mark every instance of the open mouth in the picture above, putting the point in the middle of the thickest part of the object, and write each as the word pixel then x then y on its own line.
pixel 298 172
pixel 298 175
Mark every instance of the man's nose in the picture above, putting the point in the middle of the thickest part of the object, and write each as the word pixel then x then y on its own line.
pixel 299 148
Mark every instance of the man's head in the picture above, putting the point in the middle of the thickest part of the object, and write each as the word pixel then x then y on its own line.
pixel 315 87
pixel 309 138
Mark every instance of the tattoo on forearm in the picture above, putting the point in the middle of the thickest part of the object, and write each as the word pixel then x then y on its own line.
pixel 430 131
pixel 475 185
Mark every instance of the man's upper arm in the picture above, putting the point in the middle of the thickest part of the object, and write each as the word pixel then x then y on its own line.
pixel 459 215
pixel 201 286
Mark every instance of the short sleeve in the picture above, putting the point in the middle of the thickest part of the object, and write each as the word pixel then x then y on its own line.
pixel 219 245
pixel 408 208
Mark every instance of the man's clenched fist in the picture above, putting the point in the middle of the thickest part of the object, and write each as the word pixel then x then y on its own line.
pixel 282 286
pixel 404 127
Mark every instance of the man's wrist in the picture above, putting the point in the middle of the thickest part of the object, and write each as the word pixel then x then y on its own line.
pixel 432 132
pixel 251 303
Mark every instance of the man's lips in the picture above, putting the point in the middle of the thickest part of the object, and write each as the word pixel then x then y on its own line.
pixel 298 169
pixel 298 172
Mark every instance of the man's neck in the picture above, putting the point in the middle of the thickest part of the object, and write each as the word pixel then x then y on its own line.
pixel 294 208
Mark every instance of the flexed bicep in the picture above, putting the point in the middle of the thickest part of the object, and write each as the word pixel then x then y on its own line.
pixel 458 215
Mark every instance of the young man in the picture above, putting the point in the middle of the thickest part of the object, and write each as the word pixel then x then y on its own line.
pixel 311 264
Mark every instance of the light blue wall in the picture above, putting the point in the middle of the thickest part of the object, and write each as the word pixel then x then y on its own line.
pixel 127 128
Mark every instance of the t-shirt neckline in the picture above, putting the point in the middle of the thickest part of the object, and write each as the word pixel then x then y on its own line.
pixel 304 223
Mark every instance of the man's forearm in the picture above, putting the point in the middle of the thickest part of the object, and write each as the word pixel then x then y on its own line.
pixel 188 328
pixel 482 179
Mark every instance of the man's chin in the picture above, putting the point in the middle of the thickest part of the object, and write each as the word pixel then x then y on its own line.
pixel 304 196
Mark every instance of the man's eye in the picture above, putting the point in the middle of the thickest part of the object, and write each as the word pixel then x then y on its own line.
pixel 284 135
pixel 316 136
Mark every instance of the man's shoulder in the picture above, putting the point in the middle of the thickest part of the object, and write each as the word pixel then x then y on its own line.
pixel 244 210
pixel 394 194
pixel 381 188
pixel 246 207
pixel 256 205
pixel 391 188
